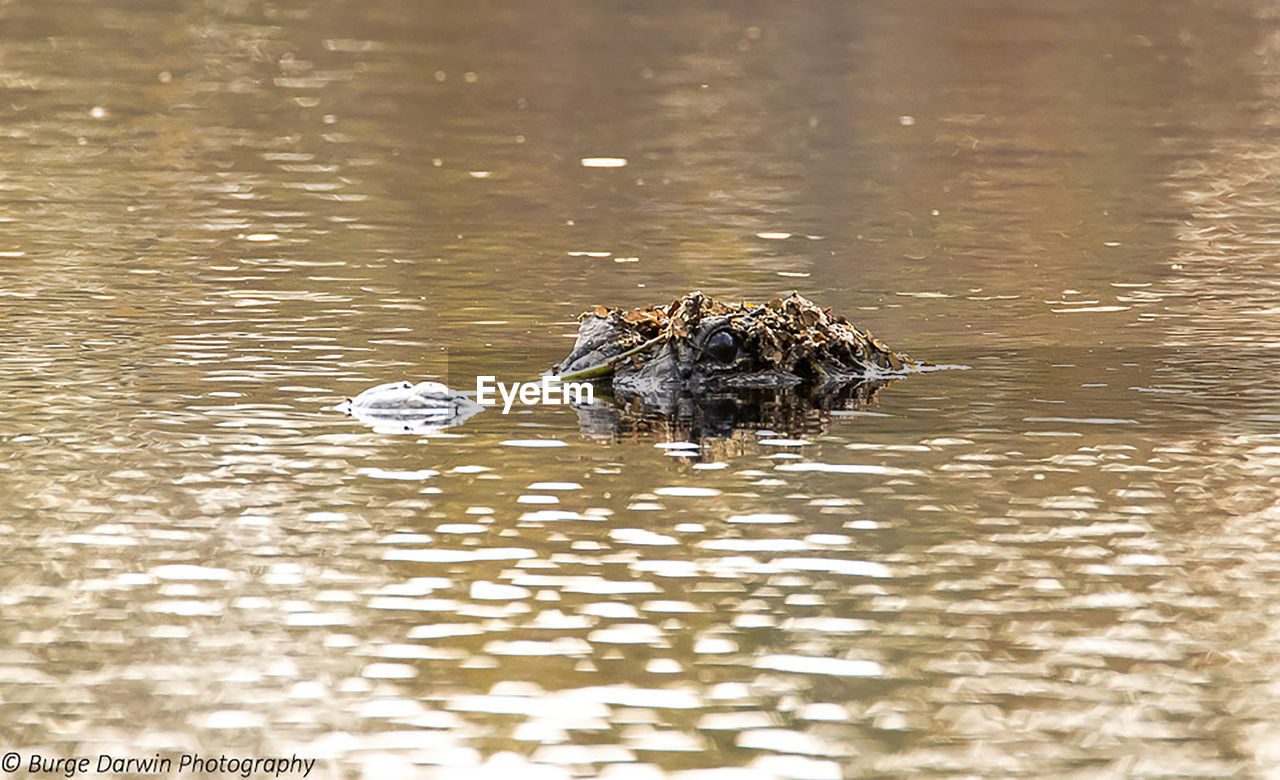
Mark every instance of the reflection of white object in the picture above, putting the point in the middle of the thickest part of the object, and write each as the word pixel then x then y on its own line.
pixel 403 407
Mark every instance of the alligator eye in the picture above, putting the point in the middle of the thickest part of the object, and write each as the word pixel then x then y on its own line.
pixel 722 347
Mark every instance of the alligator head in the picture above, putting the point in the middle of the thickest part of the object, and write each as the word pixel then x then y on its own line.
pixel 698 345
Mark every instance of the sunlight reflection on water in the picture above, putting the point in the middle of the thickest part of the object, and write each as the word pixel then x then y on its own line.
pixel 222 219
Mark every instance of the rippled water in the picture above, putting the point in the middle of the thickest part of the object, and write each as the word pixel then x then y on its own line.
pixel 221 218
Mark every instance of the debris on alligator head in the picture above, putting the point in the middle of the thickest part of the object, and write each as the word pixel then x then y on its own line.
pixel 700 345
pixel 707 367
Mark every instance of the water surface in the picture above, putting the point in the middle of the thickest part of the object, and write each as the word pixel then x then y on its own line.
pixel 221 218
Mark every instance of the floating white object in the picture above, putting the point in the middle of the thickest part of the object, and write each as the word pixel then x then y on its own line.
pixel 403 407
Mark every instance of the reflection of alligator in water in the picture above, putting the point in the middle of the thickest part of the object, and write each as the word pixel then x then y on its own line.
pixel 717 415
pixel 712 366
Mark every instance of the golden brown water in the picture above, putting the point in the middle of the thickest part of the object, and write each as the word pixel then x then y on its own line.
pixel 217 219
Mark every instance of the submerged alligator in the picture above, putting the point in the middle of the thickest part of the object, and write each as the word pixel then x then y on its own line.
pixel 699 344
pixel 712 365
pixel 709 364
